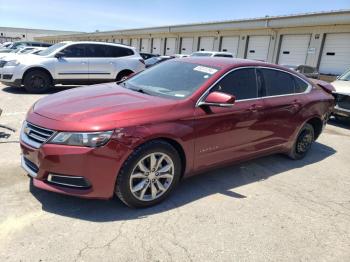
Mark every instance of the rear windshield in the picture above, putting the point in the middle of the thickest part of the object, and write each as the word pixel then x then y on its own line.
pixel 172 79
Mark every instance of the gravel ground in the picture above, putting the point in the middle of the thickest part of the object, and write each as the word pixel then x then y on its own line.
pixel 269 209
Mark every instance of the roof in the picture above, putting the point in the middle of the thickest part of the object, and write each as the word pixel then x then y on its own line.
pixel 302 19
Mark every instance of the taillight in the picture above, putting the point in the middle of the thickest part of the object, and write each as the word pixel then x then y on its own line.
pixel 142 61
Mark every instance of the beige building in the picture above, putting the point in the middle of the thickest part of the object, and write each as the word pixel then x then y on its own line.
pixel 11 34
pixel 317 39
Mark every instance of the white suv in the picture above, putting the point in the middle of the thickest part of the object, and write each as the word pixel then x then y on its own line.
pixel 71 63
pixel 212 54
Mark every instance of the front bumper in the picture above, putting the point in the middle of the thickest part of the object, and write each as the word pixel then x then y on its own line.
pixel 341 111
pixel 11 75
pixel 97 166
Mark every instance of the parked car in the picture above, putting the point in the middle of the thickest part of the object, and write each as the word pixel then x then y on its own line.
pixel 212 54
pixel 308 71
pixel 5 44
pixel 180 55
pixel 18 44
pixel 71 63
pixel 156 60
pixel 185 116
pixel 22 51
pixel 342 91
pixel 146 56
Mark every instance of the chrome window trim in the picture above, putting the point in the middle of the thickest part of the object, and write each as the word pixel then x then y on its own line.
pixel 308 89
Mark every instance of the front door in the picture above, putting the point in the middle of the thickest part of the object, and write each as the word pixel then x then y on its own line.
pixel 73 64
pixel 226 134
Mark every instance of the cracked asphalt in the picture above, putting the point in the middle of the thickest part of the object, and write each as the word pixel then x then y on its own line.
pixel 269 209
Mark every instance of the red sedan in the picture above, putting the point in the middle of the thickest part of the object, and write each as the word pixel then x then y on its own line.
pixel 139 138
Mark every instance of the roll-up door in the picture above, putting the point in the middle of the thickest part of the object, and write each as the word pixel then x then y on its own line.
pixel 293 49
pixel 258 47
pixel 186 45
pixel 230 44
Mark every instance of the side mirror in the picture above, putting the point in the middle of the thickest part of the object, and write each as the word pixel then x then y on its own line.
pixel 59 54
pixel 219 99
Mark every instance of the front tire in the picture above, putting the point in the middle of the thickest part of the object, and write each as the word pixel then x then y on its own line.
pixel 37 82
pixel 303 142
pixel 149 174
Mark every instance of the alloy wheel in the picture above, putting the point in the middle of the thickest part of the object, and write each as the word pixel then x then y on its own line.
pixel 152 176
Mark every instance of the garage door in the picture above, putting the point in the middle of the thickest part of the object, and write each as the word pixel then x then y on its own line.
pixel 258 47
pixel 156 46
pixel 126 41
pixel 294 49
pixel 170 46
pixel 336 54
pixel 230 44
pixel 117 40
pixel 206 44
pixel 186 45
pixel 145 45
pixel 135 43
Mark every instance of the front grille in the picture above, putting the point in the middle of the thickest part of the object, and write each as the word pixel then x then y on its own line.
pixel 34 135
pixel 343 101
pixel 2 63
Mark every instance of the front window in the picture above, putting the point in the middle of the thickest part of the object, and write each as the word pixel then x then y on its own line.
pixel 345 76
pixel 51 49
pixel 171 79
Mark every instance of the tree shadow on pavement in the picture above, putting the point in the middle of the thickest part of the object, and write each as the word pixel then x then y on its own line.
pixel 222 181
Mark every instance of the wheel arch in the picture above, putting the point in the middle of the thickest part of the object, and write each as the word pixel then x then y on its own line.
pixel 317 124
pixel 28 70
pixel 123 72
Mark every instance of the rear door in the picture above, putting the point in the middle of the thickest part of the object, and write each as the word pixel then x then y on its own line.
pixel 224 134
pixel 101 63
pixel 105 61
pixel 73 64
pixel 283 96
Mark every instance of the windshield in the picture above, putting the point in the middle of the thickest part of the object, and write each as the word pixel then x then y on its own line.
pixel 345 76
pixel 51 49
pixel 171 79
pixel 201 54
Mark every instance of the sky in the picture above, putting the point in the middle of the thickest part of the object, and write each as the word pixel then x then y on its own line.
pixel 92 15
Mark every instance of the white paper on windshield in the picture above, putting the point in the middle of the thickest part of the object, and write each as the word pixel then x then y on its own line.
pixel 206 70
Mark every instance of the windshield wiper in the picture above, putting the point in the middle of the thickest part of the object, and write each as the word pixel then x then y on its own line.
pixel 140 90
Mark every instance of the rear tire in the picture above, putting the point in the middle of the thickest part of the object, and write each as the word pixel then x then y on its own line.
pixel 122 76
pixel 303 142
pixel 37 82
pixel 141 183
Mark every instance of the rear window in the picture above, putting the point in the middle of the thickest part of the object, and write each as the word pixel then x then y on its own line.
pixel 108 51
pixel 277 82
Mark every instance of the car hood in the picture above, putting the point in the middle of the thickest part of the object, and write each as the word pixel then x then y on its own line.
pixel 101 106
pixel 342 86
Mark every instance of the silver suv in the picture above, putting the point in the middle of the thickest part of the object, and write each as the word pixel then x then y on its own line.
pixel 71 63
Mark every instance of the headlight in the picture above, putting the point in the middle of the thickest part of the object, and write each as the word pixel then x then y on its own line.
pixel 95 139
pixel 12 63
